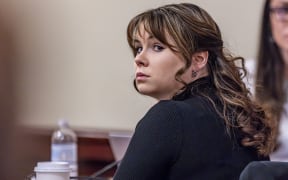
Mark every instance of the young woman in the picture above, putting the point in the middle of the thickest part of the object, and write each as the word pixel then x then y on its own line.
pixel 204 125
pixel 272 71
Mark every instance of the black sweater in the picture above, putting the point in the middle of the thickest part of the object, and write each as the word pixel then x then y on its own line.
pixel 185 138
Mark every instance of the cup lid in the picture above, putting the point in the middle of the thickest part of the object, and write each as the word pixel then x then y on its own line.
pixel 52 166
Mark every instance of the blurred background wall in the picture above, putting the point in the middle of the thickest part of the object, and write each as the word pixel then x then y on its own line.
pixel 71 58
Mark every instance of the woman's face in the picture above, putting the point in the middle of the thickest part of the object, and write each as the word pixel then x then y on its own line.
pixel 156 66
pixel 279 23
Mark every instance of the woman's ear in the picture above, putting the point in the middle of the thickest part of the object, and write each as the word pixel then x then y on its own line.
pixel 200 59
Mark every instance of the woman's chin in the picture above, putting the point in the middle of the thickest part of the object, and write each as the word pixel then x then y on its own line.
pixel 144 90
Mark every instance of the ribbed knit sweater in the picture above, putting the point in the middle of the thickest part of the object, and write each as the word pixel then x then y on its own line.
pixel 184 138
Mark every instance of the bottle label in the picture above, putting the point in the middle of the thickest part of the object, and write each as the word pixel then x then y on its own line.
pixel 64 152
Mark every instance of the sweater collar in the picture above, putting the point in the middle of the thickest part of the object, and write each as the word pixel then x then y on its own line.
pixel 200 86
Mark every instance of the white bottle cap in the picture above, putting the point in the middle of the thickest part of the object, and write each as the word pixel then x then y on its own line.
pixel 50 166
pixel 63 123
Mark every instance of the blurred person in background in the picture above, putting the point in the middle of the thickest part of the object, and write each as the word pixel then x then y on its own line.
pixel 15 148
pixel 269 76
pixel 204 125
pixel 6 103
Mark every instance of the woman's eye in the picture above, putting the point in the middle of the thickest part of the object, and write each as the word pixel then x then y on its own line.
pixel 158 48
pixel 138 50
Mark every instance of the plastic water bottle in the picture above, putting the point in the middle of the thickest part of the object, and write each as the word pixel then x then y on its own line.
pixel 64 146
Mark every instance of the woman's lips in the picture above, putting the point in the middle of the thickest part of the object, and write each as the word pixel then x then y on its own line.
pixel 141 76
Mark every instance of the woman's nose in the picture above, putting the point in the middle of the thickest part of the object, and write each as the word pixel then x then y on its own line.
pixel 141 59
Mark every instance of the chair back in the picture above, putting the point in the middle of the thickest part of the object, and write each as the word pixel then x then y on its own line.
pixel 265 170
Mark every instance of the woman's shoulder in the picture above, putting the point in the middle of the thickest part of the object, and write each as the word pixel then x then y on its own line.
pixel 192 103
pixel 171 116
pixel 162 118
pixel 167 109
pixel 191 108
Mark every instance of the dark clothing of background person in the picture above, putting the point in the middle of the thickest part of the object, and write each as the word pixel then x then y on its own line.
pixel 185 138
pixel 265 170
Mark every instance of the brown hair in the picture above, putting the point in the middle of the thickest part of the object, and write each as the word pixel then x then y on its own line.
pixel 194 30
pixel 270 71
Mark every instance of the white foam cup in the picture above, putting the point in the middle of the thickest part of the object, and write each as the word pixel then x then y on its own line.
pixel 52 171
